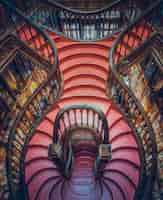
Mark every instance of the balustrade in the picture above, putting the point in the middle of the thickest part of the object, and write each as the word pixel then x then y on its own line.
pixel 122 56
pixel 134 35
pixel 88 119
pixel 20 76
pixel 131 108
pixel 40 50
pixel 81 116
pixel 4 190
pixel 32 113
pixel 80 26
pixel 31 34
pixel 85 25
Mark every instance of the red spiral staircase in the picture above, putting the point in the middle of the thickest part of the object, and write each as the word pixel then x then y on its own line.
pixel 84 71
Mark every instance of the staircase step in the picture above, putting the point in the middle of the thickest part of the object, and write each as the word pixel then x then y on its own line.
pixel 116 192
pixel 41 138
pixel 34 165
pixel 127 153
pixel 46 126
pixel 48 187
pixel 79 48
pixel 123 141
pixel 124 183
pixel 125 168
pixel 36 150
pixel 100 102
pixel 118 129
pixel 57 191
pixel 113 116
pixel 81 90
pixel 85 69
pixel 84 80
pixel 106 191
pixel 77 59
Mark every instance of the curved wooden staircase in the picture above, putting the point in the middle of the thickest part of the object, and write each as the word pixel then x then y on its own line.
pixel 80 74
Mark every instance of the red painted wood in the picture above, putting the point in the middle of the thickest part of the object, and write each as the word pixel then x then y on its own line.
pixel 85 70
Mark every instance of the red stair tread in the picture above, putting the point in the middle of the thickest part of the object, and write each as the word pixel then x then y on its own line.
pixel 46 126
pixel 83 59
pixel 35 185
pixel 85 69
pixel 125 168
pixel 41 139
pixel 113 116
pixel 44 194
pixel 37 151
pixel 62 42
pixel 37 165
pixel 117 195
pixel 84 80
pixel 119 128
pixel 81 90
pixel 127 154
pixel 52 114
pixel 102 103
pixel 124 141
pixel 79 48
pixel 126 186
pixel 146 31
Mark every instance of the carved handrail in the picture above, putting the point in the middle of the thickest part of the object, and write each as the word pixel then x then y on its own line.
pixel 122 54
pixel 136 115
pixel 31 114
pixel 132 37
pixel 11 47
pixel 75 117
pixel 37 104
pixel 10 42
pixel 135 57
pixel 78 116
pixel 85 25
pixel 4 190
pixel 30 33
pixel 33 111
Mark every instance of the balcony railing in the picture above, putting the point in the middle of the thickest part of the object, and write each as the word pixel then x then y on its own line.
pixel 27 108
pixel 134 35
pixel 84 116
pixel 85 25
pixel 141 88
pixel 30 33
pixel 22 71
pixel 20 125
pixel 35 42
pixel 34 110
pixel 79 117
pixel 123 54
